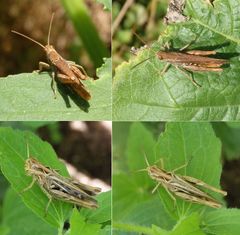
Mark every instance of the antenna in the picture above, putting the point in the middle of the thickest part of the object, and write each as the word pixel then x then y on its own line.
pixel 50 28
pixel 141 40
pixel 146 160
pixel 27 150
pixel 25 36
pixel 141 62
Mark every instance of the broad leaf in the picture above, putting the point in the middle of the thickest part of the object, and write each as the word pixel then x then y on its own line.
pixel 21 220
pixel 103 213
pixel 188 226
pixel 29 96
pixel 144 93
pixel 222 222
pixel 13 154
pixel 79 226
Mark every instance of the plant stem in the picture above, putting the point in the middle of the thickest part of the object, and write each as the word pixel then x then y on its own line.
pixel 133 228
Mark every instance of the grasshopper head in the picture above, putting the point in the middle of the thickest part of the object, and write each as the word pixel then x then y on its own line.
pixel 152 171
pixel 156 173
pixel 32 166
pixel 49 49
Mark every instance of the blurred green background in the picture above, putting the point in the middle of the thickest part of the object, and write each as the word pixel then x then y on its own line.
pixel 145 17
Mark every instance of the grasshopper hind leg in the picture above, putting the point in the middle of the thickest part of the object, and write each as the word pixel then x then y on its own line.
pixel 189 77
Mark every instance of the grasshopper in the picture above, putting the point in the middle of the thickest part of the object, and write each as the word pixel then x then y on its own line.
pixel 65 72
pixel 58 187
pixel 185 187
pixel 193 60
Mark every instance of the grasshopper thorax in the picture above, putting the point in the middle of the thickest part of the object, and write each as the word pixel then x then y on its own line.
pixel 155 173
pixel 52 54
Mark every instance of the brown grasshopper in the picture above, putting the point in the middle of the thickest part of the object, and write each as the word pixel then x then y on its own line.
pixel 185 187
pixel 66 72
pixel 58 187
pixel 194 60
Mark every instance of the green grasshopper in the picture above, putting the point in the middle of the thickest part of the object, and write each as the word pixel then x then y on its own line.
pixel 185 187
pixel 58 187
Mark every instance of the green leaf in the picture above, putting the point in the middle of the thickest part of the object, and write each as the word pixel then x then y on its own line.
pixel 142 93
pixel 79 226
pixel 196 145
pixel 105 71
pixel 107 230
pixel 3 188
pixel 13 154
pixel 140 144
pixel 20 220
pixel 86 30
pixel 140 141
pixel 222 222
pixel 29 125
pixel 119 144
pixel 103 213
pixel 126 194
pixel 29 96
pixel 4 230
pixel 187 226
pixel 107 4
pixel 132 229
pixel 152 208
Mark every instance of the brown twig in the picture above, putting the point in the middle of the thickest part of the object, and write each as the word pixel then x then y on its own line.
pixel 121 14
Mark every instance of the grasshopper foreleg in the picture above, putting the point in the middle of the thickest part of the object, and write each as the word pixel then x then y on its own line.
pixel 43 66
pixel 155 188
pixel 29 186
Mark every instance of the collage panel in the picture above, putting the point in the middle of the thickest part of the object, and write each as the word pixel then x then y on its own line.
pixel 55 60
pixel 55 178
pixel 175 178
pixel 119 117
pixel 176 60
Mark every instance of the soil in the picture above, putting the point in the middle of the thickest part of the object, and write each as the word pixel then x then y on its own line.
pixel 231 182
